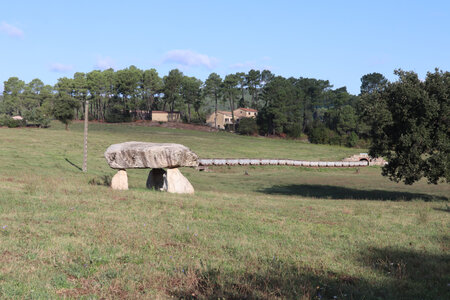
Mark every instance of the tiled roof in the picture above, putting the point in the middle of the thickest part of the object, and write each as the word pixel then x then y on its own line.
pixel 248 109
pixel 224 112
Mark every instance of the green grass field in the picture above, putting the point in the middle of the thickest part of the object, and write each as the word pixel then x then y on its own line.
pixel 279 232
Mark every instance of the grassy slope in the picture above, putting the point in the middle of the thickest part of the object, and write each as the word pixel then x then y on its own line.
pixel 279 232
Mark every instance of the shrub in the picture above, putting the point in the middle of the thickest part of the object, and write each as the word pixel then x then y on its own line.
pixel 319 135
pixel 38 116
pixel 323 135
pixel 352 139
pixel 294 131
pixel 6 120
pixel 15 123
pixel 247 126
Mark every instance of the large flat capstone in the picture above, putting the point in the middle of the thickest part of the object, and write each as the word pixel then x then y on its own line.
pixel 139 155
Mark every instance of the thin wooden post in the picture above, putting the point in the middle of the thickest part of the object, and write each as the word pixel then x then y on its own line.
pixel 86 119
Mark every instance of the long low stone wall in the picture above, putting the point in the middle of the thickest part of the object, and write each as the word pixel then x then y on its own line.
pixel 278 162
pixel 160 156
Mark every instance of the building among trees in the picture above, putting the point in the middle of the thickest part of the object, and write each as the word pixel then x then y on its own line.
pixel 225 118
pixel 165 116
pixel 245 113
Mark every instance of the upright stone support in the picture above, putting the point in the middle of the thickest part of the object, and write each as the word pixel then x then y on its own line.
pixel 120 181
pixel 177 183
pixel 171 181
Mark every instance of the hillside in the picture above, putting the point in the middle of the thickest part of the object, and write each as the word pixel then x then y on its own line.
pixel 278 232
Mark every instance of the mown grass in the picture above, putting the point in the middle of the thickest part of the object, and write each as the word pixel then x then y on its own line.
pixel 278 232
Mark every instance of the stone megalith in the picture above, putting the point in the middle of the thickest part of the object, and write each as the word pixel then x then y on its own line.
pixel 120 181
pixel 139 155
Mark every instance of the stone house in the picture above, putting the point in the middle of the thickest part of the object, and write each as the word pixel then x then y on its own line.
pixel 225 117
pixel 165 116
pixel 242 112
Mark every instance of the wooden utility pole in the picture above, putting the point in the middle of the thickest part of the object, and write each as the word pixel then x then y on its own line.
pixel 86 119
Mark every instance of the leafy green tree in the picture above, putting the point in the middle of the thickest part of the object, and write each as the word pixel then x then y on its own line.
pixel 126 84
pixel 253 80
pixel 96 86
pixel 314 93
pixel 64 108
pixel 213 87
pixel 65 85
pixel 266 77
pixel 151 85
pixel 371 86
pixel 281 111
pixel 35 103
pixel 242 84
pixel 231 92
pixel 191 92
pixel 410 119
pixel 172 88
pixel 80 90
pixel 373 82
pixel 30 97
pixel 110 82
pixel 13 90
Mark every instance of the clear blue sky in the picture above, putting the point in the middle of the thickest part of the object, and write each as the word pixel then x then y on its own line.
pixel 335 40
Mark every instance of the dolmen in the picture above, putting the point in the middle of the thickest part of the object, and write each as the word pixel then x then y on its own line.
pixel 157 157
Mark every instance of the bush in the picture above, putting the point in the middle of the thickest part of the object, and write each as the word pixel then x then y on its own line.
pixel 4 119
pixel 294 131
pixel 319 135
pixel 335 139
pixel 8 121
pixel 247 126
pixel 323 135
pixel 15 123
pixel 38 117
pixel 352 139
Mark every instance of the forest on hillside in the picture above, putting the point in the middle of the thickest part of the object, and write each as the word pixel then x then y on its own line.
pixel 288 107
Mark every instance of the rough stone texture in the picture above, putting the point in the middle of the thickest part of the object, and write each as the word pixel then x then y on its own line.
pixel 138 155
pixel 157 180
pixel 177 183
pixel 377 161
pixel 120 181
pixel 171 181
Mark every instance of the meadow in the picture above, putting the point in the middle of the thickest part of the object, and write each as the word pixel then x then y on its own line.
pixel 276 233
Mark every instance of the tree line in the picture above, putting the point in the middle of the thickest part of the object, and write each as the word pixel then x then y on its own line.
pixel 406 121
pixel 289 107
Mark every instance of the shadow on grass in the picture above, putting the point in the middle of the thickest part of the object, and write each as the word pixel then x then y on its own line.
pixel 447 209
pixel 417 274
pixel 73 165
pixel 401 274
pixel 339 193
